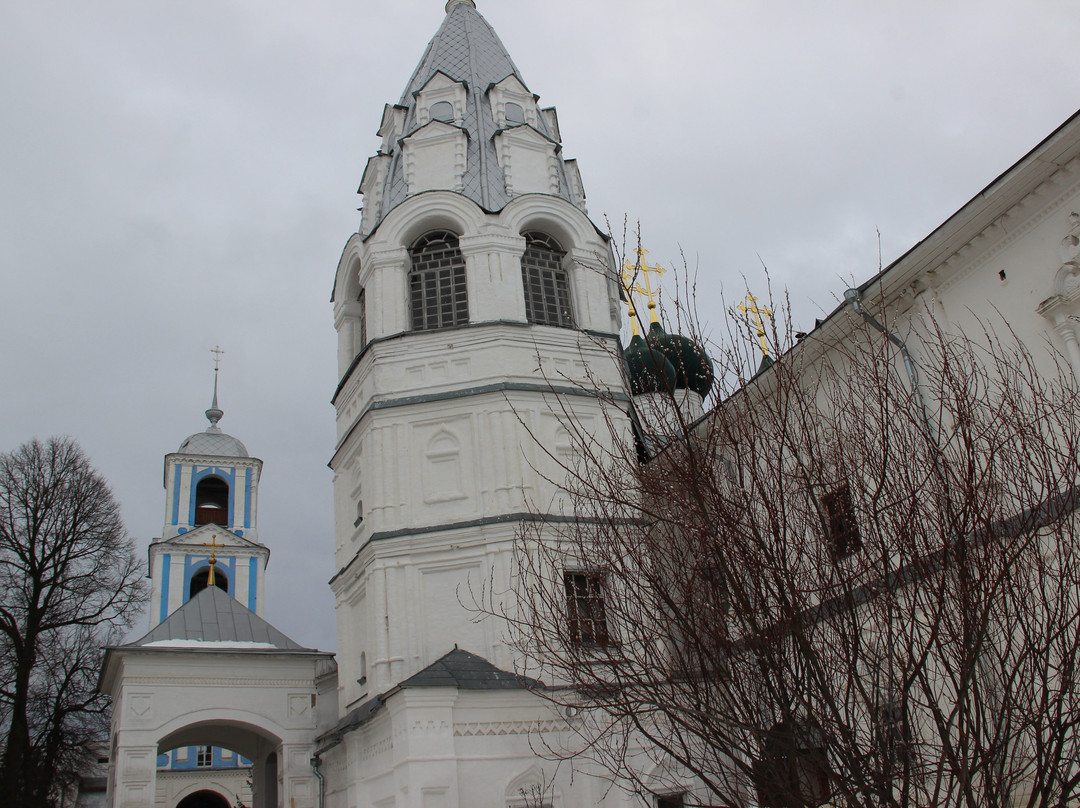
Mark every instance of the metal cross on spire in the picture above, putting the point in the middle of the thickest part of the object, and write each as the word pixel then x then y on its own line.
pixel 213 545
pixel 213 415
pixel 637 277
pixel 759 315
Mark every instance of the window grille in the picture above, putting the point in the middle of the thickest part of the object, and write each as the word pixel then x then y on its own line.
pixel 547 287
pixel 586 610
pixel 438 296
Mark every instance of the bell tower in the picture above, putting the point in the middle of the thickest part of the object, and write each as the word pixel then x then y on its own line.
pixel 475 291
pixel 211 522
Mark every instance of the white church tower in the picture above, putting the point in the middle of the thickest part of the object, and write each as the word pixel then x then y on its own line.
pixel 476 286
pixel 211 512
pixel 476 308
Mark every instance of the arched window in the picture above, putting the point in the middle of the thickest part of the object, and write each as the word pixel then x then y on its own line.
pixel 200 578
pixel 437 294
pixel 547 287
pixel 212 502
pixel 442 111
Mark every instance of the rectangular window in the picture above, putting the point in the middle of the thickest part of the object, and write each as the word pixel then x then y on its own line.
pixel 893 734
pixel 842 529
pixel 204 756
pixel 361 306
pixel 586 610
pixel 671 801
pixel 182 755
pixel 793 770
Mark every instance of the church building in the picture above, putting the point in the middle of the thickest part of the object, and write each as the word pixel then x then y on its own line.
pixel 477 310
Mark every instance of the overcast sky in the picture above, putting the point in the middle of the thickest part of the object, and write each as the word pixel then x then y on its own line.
pixel 177 174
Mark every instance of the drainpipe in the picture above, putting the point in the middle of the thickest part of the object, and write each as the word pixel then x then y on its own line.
pixel 854 297
pixel 315 763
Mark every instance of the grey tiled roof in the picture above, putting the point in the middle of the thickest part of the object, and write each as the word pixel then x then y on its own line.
pixel 214 616
pixel 213 442
pixel 468 50
pixel 467 671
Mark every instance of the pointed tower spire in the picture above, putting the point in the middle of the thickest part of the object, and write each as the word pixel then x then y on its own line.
pixel 466 123
pixel 214 414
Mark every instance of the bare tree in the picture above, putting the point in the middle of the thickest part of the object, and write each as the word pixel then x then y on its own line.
pixel 69 583
pixel 856 580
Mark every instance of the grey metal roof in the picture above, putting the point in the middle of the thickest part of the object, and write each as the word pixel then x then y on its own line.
pixel 212 441
pixel 214 616
pixel 467 671
pixel 467 50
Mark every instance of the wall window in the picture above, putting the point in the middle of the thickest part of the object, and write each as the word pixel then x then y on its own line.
pixel 204 756
pixel 793 770
pixel 893 735
pixel 442 111
pixel 586 610
pixel 361 316
pixel 212 502
pixel 842 529
pixel 547 287
pixel 671 801
pixel 438 297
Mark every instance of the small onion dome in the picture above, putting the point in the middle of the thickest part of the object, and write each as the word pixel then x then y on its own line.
pixel 693 367
pixel 649 368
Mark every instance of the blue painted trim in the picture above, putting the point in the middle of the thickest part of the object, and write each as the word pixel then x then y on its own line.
pixel 253 579
pixel 166 562
pixel 177 473
pixel 247 498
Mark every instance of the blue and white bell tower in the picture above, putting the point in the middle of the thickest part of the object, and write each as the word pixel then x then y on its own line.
pixel 211 522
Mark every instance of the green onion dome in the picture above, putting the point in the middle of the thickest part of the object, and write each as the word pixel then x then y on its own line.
pixel 650 369
pixel 693 367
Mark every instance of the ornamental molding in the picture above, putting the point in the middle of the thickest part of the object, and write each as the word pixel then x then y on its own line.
pixel 194 682
pixel 479 728
pixel 968 252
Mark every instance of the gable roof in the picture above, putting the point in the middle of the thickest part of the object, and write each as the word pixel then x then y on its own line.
pixel 467 671
pixel 213 620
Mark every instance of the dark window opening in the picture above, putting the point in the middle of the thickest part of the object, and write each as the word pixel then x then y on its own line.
pixel 842 529
pixel 361 315
pixel 671 801
pixel 200 578
pixel 438 297
pixel 793 770
pixel 586 609
pixel 893 735
pixel 212 502
pixel 204 756
pixel 547 286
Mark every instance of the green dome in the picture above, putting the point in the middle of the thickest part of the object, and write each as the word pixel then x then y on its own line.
pixel 650 369
pixel 693 367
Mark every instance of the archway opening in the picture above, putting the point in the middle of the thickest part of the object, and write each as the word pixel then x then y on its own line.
pixel 200 580
pixel 212 502
pixel 203 799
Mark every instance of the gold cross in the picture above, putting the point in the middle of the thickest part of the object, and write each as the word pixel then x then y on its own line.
pixel 213 545
pixel 759 313
pixel 217 352
pixel 634 275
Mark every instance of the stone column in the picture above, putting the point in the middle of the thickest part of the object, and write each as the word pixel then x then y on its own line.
pixel 387 292
pixel 493 273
